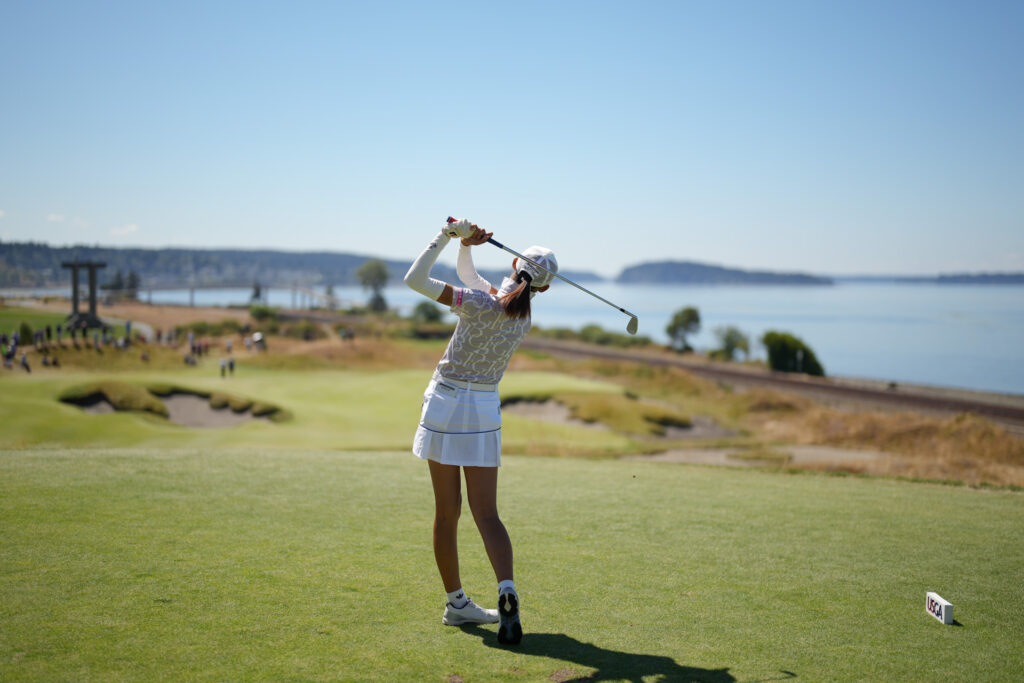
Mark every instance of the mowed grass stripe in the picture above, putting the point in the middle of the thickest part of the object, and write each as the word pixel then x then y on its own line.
pixel 228 564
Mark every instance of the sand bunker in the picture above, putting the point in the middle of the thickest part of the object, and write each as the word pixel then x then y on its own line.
pixel 99 406
pixel 702 428
pixel 187 410
pixel 548 411
pixel 190 410
pixel 553 411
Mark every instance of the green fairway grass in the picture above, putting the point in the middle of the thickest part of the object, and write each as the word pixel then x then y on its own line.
pixel 11 318
pixel 229 564
pixel 334 409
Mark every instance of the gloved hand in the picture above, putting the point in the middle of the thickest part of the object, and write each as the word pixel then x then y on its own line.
pixel 459 228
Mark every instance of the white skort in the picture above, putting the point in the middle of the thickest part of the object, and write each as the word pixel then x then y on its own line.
pixel 459 426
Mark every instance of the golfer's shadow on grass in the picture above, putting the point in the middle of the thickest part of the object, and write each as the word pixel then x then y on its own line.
pixel 609 664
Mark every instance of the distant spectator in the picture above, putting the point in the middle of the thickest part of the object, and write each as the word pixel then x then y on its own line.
pixel 24 362
pixel 231 366
pixel 228 346
pixel 223 367
pixel 145 356
pixel 45 361
pixel 49 334
pixel 55 363
pixel 60 332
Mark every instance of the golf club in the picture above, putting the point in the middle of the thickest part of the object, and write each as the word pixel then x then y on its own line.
pixel 631 326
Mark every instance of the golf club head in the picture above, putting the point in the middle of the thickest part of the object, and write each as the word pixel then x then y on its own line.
pixel 632 325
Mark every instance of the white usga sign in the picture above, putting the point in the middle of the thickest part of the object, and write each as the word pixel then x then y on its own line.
pixel 939 608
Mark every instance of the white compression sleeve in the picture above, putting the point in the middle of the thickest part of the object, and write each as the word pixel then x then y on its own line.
pixel 418 278
pixel 467 271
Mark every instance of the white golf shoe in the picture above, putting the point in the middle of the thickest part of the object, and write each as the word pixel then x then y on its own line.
pixel 470 613
pixel 511 631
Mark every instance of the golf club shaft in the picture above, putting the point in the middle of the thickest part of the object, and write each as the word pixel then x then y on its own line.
pixel 563 279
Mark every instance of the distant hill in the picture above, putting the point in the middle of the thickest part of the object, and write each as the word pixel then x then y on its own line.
pixel 690 272
pixel 942 279
pixel 31 264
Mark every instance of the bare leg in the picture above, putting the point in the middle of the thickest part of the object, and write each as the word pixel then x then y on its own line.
pixel 482 488
pixel 447 507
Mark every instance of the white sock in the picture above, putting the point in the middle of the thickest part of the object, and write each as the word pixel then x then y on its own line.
pixel 458 598
pixel 506 586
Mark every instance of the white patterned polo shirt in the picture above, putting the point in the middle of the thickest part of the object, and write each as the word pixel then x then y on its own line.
pixel 484 340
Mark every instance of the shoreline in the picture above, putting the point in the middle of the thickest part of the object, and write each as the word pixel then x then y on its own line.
pixel 871 389
pixel 1005 408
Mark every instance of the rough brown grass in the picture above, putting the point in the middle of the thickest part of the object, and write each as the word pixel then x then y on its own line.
pixel 963 447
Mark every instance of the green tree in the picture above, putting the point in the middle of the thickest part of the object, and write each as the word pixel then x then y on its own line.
pixel 115 284
pixel 374 275
pixel 426 312
pixel 684 322
pixel 730 340
pixel 787 353
pixel 131 285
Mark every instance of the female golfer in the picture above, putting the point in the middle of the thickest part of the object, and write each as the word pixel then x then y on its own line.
pixel 460 425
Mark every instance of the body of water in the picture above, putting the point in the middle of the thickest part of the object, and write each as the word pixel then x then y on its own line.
pixel 966 336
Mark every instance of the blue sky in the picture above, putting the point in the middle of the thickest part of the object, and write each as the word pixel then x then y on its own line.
pixel 831 137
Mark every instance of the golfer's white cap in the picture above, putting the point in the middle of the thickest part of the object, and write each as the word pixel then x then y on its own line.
pixel 539 276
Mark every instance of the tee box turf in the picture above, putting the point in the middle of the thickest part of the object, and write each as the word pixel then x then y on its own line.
pixel 939 608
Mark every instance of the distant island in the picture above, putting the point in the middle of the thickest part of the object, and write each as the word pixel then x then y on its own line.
pixel 692 273
pixel 33 264
pixel 942 279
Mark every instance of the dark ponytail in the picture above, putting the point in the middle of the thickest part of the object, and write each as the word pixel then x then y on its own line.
pixel 516 303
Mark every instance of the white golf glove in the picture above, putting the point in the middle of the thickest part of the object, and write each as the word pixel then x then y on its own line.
pixel 461 228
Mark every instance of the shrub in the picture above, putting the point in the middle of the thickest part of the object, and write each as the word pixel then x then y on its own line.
pixel 787 353
pixel 594 334
pixel 426 312
pixel 304 329
pixel 203 328
pixel 730 340
pixel 261 312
